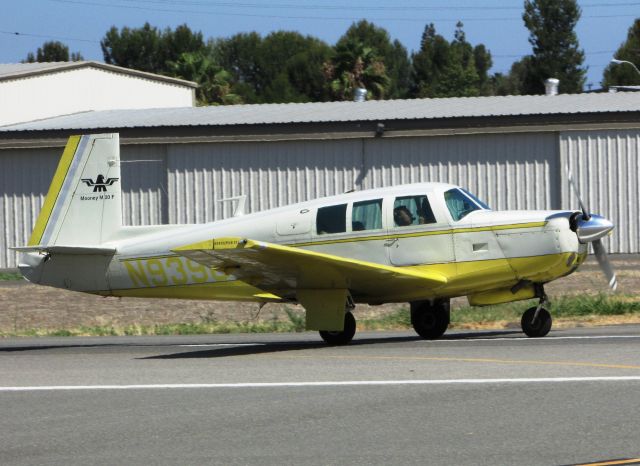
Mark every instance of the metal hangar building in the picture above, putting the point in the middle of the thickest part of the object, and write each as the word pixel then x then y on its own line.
pixel 179 163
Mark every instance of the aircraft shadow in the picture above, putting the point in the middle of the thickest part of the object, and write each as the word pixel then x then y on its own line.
pixel 259 347
pixel 277 347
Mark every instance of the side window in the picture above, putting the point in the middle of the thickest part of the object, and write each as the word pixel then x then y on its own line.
pixel 412 210
pixel 367 215
pixel 332 219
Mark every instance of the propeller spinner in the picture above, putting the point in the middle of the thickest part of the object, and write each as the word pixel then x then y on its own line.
pixel 591 229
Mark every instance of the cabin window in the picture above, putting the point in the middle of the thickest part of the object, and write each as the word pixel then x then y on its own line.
pixel 367 215
pixel 412 210
pixel 475 198
pixel 459 204
pixel 332 219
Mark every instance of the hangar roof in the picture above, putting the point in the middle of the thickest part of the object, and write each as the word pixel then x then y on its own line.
pixel 12 71
pixel 336 112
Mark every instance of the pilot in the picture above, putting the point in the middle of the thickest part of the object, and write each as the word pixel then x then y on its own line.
pixel 402 216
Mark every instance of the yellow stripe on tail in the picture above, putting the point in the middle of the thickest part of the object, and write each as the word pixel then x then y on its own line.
pixel 54 190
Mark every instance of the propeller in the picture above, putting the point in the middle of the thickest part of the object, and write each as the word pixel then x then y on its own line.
pixel 591 229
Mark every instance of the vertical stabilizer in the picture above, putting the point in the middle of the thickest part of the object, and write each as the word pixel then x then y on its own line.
pixel 83 205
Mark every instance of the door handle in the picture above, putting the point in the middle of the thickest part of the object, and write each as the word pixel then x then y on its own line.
pixel 390 242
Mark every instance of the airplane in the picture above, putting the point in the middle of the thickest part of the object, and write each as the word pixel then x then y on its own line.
pixel 421 243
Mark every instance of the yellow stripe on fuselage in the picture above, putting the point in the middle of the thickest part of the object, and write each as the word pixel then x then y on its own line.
pixel 54 190
pixel 447 231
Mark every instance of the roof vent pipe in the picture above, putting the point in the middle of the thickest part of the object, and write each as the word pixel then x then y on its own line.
pixel 360 94
pixel 551 86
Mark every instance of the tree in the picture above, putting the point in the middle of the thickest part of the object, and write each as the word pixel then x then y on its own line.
pixel 624 74
pixel 147 48
pixel 513 82
pixel 450 69
pixel 53 51
pixel 356 66
pixel 387 55
pixel 291 67
pixel 281 67
pixel 237 54
pixel 556 52
pixel 214 82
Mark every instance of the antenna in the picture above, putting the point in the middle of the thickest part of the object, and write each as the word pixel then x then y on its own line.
pixel 241 206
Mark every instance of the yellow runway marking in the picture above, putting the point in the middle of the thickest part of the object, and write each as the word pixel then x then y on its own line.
pixel 478 360
pixel 608 463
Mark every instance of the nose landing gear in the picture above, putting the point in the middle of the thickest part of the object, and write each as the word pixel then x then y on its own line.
pixel 536 321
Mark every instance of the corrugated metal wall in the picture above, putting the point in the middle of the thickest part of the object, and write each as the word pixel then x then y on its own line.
pixel 508 171
pixel 606 168
pixel 25 176
pixel 144 184
pixel 270 174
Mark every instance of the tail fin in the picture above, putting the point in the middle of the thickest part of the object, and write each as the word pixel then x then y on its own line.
pixel 83 205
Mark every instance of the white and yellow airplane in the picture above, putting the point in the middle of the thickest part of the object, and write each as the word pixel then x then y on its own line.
pixel 421 243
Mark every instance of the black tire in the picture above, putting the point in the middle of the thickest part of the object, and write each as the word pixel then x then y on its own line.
pixel 343 337
pixel 540 327
pixel 430 321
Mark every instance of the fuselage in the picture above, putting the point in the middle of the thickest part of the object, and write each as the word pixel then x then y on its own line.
pixel 483 253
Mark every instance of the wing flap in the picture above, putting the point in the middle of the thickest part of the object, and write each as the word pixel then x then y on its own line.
pixel 272 266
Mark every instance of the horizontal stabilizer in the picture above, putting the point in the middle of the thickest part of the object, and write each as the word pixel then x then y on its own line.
pixel 75 250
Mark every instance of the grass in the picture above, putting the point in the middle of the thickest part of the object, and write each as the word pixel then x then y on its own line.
pixel 578 307
pixel 8 276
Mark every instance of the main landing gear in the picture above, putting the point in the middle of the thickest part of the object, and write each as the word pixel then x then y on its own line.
pixel 346 334
pixel 536 321
pixel 341 337
pixel 430 319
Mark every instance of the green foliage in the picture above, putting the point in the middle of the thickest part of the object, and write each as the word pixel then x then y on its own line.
pixel 281 67
pixel 9 276
pixel 214 82
pixel 623 74
pixel 384 68
pixel 513 82
pixel 599 305
pixel 53 51
pixel 450 69
pixel 556 52
pixel 147 48
pixel 297 319
pixel 365 57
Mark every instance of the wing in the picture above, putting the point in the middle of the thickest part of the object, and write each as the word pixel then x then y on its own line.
pixel 88 181
pixel 110 181
pixel 285 269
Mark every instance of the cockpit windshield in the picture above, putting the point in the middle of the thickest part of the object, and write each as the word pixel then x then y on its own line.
pixel 461 202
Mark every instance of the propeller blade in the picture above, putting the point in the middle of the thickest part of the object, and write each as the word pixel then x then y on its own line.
pixel 605 265
pixel 574 186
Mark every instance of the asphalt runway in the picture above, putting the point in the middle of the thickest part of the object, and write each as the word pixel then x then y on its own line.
pixel 471 398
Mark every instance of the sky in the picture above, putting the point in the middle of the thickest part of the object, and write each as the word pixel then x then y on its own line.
pixel 81 24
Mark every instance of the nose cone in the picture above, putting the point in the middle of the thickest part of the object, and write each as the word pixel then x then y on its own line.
pixel 593 229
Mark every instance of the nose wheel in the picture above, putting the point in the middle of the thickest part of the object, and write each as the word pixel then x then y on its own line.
pixel 536 321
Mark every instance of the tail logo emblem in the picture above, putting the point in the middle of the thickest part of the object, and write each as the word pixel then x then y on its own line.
pixel 100 185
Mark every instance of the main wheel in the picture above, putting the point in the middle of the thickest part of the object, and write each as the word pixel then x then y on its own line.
pixel 430 321
pixel 343 337
pixel 540 327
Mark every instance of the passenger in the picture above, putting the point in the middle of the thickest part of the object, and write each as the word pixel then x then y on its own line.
pixel 402 216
